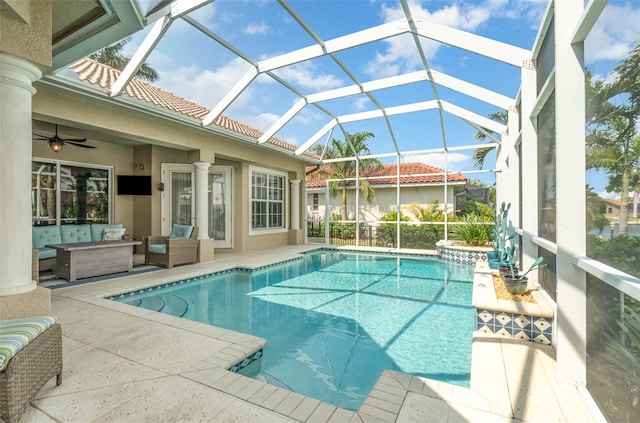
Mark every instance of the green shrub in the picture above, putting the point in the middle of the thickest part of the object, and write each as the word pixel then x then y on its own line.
pixel 621 252
pixel 411 235
pixel 473 231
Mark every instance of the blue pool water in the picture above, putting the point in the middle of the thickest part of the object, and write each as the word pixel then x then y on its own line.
pixel 334 321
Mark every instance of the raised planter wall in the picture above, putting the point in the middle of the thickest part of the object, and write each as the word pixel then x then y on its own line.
pixel 525 321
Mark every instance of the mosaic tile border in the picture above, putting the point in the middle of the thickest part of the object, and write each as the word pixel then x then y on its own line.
pixel 456 255
pixel 515 325
pixel 268 266
pixel 195 278
pixel 373 253
pixel 247 361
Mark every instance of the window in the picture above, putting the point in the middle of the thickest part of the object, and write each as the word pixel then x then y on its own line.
pixel 315 201
pixel 267 200
pixel 66 194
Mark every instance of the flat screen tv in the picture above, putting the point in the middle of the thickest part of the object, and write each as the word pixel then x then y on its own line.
pixel 134 185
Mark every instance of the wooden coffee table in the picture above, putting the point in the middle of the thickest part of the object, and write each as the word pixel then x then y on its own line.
pixel 79 260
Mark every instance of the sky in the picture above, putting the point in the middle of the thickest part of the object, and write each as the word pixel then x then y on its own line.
pixel 194 66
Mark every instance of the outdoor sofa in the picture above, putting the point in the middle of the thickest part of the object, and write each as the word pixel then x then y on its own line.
pixel 30 355
pixel 64 234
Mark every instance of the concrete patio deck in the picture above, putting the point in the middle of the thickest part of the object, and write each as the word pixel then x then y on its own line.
pixel 125 364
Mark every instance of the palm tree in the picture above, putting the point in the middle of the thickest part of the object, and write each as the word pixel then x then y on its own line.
pixel 112 56
pixel 480 154
pixel 612 137
pixel 354 145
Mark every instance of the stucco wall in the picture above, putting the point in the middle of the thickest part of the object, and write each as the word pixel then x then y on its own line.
pixel 25 30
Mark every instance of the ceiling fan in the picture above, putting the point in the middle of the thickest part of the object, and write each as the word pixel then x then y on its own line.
pixel 56 143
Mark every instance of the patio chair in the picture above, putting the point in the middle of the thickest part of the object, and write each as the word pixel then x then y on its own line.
pixel 180 247
pixel 30 355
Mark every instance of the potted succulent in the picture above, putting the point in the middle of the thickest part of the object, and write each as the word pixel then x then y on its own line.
pixel 516 283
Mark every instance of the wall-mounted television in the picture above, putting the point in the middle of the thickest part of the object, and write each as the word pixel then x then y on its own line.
pixel 134 185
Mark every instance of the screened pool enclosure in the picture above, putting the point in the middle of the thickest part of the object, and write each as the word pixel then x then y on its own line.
pixel 400 71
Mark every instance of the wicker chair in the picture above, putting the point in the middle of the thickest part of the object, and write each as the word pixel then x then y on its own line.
pixel 28 371
pixel 172 250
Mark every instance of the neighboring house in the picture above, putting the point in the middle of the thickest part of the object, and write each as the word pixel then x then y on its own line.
pixel 612 210
pixel 419 184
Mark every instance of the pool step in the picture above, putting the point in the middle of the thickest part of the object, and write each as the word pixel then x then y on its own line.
pixel 152 303
pixel 176 306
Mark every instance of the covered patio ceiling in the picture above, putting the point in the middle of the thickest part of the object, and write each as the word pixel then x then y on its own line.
pixel 411 109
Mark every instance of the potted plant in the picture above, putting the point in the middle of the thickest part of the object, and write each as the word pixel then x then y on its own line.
pixel 517 284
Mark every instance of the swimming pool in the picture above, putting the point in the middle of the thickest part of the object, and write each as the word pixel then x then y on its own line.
pixel 335 320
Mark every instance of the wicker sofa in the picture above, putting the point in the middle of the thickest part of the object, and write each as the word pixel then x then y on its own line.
pixel 63 234
pixel 31 354
pixel 180 247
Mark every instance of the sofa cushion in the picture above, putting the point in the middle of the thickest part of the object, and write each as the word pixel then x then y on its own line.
pixel 16 334
pixel 181 231
pixel 43 235
pixel 97 230
pixel 45 253
pixel 75 233
pixel 158 248
pixel 112 234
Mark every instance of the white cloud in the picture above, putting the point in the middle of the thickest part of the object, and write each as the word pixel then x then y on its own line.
pixel 612 195
pixel 400 54
pixel 309 115
pixel 303 75
pixel 262 121
pixel 206 87
pixel 614 34
pixel 361 103
pixel 257 29
pixel 455 161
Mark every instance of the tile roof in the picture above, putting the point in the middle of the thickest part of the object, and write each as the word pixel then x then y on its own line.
pixel 414 173
pixel 616 202
pixel 96 73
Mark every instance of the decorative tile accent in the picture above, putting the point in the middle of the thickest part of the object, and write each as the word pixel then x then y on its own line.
pixel 244 363
pixel 514 325
pixel 460 256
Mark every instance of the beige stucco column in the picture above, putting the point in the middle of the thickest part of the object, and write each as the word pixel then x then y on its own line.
pixel 295 204
pixel 17 289
pixel 202 210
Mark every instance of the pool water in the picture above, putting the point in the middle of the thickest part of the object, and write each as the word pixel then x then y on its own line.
pixel 334 321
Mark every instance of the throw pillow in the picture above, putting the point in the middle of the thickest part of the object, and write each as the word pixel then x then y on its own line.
pixel 113 234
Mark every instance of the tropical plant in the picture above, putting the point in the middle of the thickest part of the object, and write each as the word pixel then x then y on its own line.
pixel 617 368
pixel 112 56
pixel 473 230
pixel 595 211
pixel 354 145
pixel 480 154
pixel 536 264
pixel 613 144
pixel 501 235
pixel 427 213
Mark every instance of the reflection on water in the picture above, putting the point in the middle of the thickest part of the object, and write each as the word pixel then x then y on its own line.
pixel 634 230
